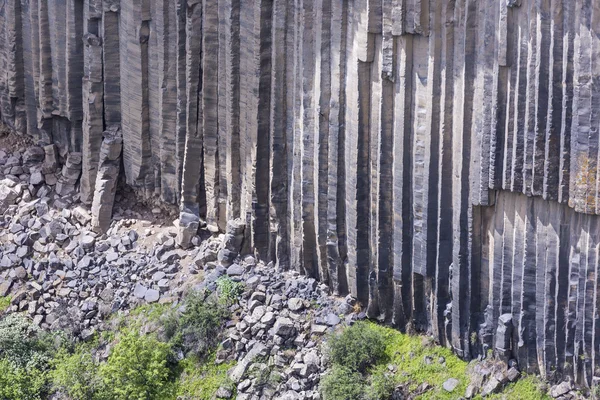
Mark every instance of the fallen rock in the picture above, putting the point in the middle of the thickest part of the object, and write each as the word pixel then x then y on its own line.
pixel 450 385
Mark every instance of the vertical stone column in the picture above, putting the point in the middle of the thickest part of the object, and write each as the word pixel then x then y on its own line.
pixel 109 166
pixel 93 98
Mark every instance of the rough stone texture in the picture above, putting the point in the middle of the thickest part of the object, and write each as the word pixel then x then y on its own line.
pixel 435 159
pixel 109 165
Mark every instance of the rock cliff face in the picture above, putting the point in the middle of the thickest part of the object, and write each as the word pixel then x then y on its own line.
pixel 435 158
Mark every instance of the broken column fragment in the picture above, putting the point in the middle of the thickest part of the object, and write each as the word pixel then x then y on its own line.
pixel 189 222
pixel 503 334
pixel 109 166
pixel 232 242
pixel 69 176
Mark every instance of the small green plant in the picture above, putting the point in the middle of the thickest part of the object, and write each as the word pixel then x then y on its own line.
pixel 527 388
pixel 473 338
pixel 25 345
pixel 341 383
pixel 201 380
pixel 76 375
pixel 357 347
pixel 139 367
pixel 198 327
pixel 4 303
pixel 382 384
pixel 229 290
pixel 22 383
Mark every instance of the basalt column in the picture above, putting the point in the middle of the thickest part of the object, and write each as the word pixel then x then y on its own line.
pixel 437 160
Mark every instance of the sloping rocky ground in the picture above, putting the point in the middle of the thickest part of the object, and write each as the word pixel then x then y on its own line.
pixel 54 268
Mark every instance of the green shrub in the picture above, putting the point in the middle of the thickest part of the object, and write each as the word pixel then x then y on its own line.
pixel 358 347
pixel 76 375
pixel 342 384
pixel 200 323
pixel 22 383
pixel 170 326
pixel 201 380
pixel 25 345
pixel 138 368
pixel 19 340
pixel 381 384
pixel 229 290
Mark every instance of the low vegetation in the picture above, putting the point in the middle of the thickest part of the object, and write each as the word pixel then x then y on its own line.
pixel 177 357
pixel 4 303
pixel 369 361
pixel 527 388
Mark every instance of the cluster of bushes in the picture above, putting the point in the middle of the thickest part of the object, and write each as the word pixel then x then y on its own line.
pixel 358 355
pixel 35 364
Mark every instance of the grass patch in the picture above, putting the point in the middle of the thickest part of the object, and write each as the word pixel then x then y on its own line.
pixel 360 371
pixel 408 354
pixel 4 303
pixel 526 388
pixel 202 380
pixel 150 312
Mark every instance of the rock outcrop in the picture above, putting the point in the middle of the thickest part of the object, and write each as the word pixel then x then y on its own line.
pixel 436 159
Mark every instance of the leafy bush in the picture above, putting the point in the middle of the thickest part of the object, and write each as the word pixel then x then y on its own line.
pixel 197 329
pixel 138 368
pixel 341 383
pixel 21 383
pixel 358 347
pixel 20 341
pixel 27 346
pixel 76 375
pixel 201 380
pixel 229 290
pixel 382 384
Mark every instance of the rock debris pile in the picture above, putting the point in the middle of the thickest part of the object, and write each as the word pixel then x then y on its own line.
pixel 281 317
pixel 53 264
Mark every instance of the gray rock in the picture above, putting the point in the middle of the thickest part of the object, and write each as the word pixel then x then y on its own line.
pixel 284 327
pixel 239 370
pixel 491 386
pixel 5 287
pixel 450 385
pixel 295 304
pixel 107 294
pixel 8 196
pixel 513 374
pixel 151 295
pixel 332 319
pixel 268 319
pixel 140 291
pixel 20 273
pixel 290 395
pixel 87 242
pixel 318 329
pixel 561 389
pixel 223 393
pixel 471 391
pixel 235 270
pixel 37 178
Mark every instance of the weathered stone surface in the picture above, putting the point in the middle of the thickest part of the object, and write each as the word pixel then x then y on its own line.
pixel 109 166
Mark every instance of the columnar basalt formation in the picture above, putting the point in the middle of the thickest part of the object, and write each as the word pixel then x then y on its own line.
pixel 109 166
pixel 436 159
